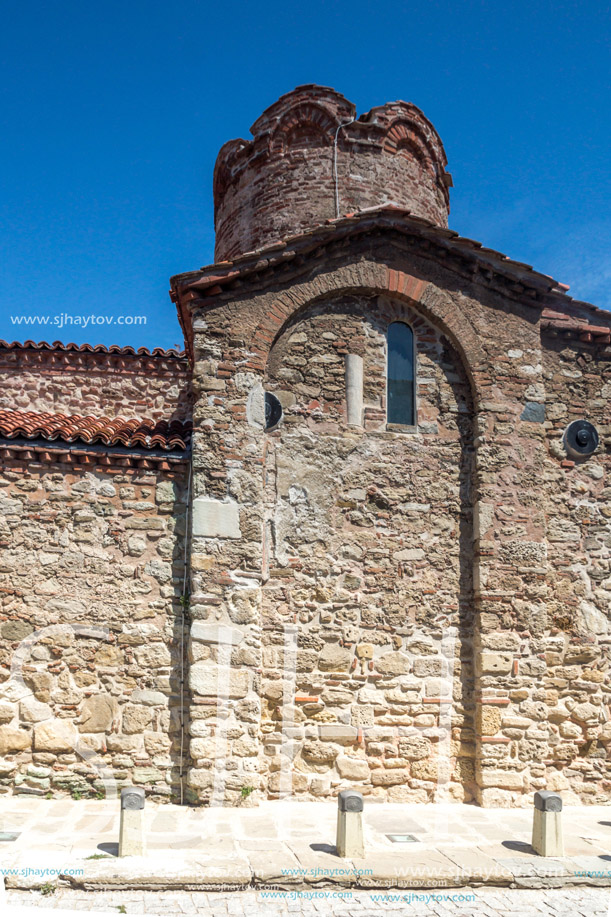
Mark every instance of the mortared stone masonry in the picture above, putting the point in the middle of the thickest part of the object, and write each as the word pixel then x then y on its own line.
pixel 419 613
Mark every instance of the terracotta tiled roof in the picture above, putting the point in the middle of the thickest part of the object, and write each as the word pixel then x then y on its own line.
pixel 97 348
pixel 117 431
pixel 387 216
pixel 212 280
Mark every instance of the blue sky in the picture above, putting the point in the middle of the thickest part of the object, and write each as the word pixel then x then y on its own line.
pixel 112 115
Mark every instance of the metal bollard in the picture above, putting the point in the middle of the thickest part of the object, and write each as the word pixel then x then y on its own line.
pixel 547 825
pixel 131 831
pixel 349 841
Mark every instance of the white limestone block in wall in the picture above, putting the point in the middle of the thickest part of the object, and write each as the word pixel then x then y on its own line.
pixel 216 518
pixel 482 519
pixel 595 620
pixel 215 633
pixel 354 389
pixel 409 554
pixel 211 680
pixel 58 736
pixel 255 407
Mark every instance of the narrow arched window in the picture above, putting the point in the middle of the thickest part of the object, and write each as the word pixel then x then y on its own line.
pixel 401 376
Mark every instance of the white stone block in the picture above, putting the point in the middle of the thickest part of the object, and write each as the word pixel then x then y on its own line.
pixel 483 518
pixel 354 389
pixel 409 554
pixel 255 407
pixel 211 680
pixel 215 633
pixel 55 735
pixel 216 518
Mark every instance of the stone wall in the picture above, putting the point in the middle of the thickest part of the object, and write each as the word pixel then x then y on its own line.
pixel 91 578
pixel 329 561
pixel 369 554
pixel 422 613
pixel 578 646
pixel 103 384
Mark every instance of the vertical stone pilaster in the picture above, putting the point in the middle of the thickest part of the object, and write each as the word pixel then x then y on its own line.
pixel 225 645
pixel 511 586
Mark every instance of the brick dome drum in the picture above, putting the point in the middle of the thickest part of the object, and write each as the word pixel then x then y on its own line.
pixel 312 160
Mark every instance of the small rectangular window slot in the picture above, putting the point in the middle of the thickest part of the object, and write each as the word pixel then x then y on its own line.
pixel 402 839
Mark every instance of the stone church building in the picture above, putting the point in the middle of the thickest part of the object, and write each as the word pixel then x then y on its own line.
pixel 357 534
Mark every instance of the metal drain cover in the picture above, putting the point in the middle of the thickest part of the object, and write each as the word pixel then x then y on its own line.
pixel 402 838
pixel 9 835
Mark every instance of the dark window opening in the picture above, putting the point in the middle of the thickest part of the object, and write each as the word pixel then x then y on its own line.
pixel 400 394
pixel 273 411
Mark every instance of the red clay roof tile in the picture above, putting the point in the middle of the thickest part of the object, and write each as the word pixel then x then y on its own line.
pixel 116 431
pixel 94 348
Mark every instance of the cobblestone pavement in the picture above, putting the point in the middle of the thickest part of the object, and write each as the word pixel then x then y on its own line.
pixel 478 902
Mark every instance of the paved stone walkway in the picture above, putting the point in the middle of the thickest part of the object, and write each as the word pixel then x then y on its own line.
pixel 289 845
pixel 479 902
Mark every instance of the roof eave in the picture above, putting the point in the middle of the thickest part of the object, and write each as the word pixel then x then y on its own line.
pixel 212 281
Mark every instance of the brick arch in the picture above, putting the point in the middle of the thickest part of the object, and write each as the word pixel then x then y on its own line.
pixel 432 303
pixel 403 136
pixel 306 118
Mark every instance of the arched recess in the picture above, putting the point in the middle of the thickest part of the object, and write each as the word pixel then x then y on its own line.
pixel 435 305
pixel 301 122
pixel 369 545
pixel 401 135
